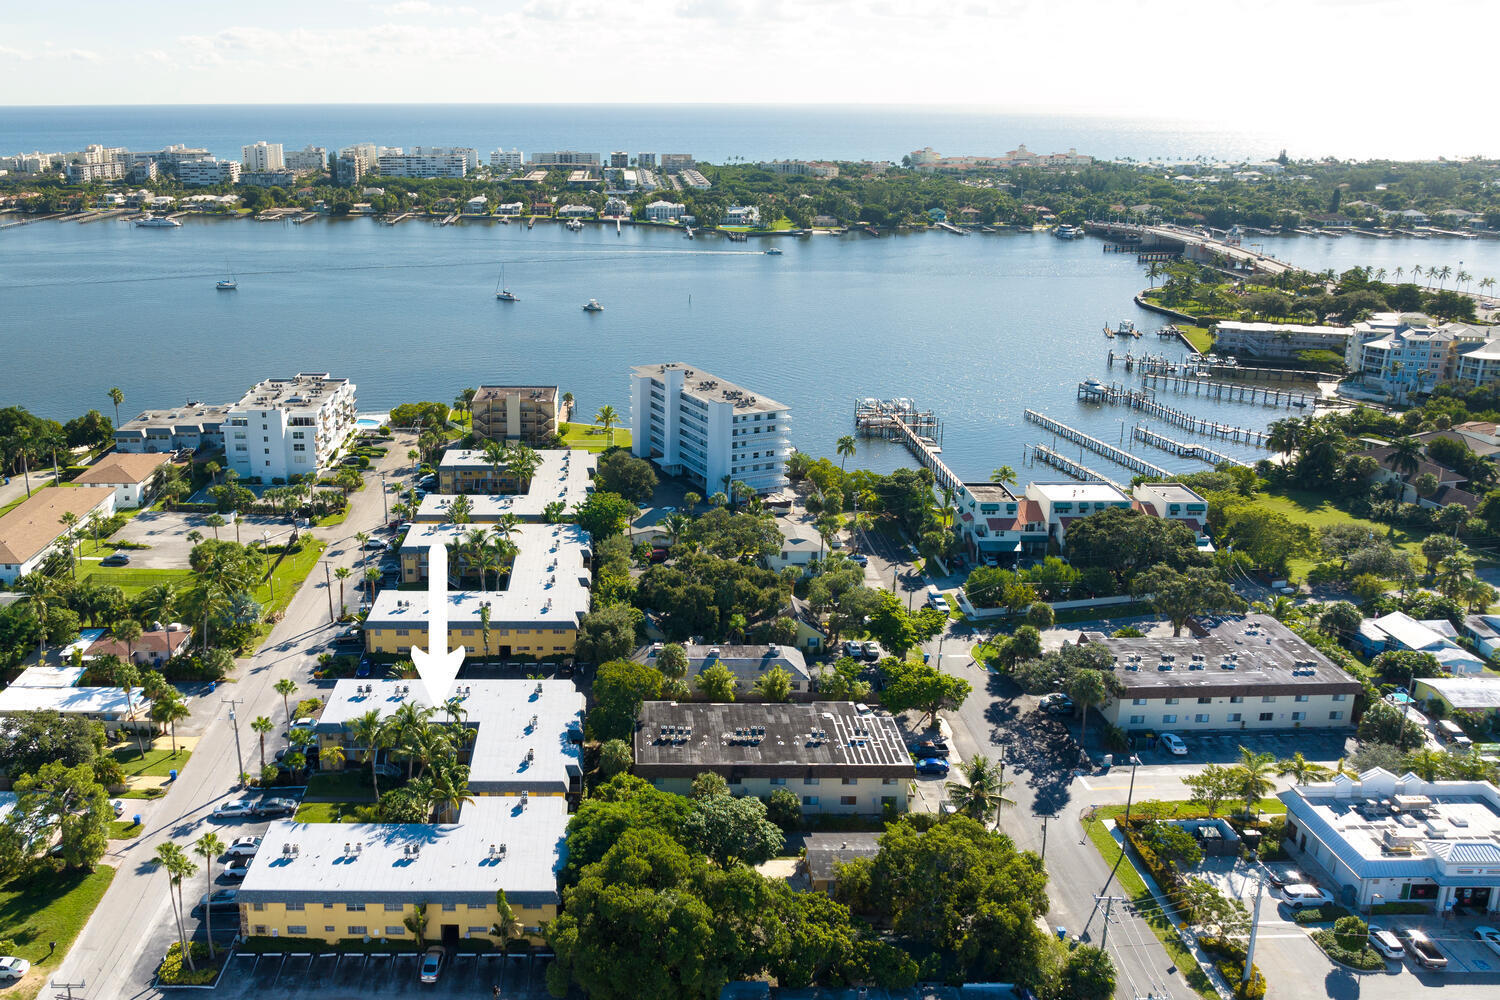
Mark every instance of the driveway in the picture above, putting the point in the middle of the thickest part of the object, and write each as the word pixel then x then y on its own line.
pixel 166 532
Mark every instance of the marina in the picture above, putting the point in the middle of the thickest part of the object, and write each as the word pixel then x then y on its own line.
pixel 1093 390
pixel 1181 448
pixel 1119 456
pixel 1064 464
pixel 919 430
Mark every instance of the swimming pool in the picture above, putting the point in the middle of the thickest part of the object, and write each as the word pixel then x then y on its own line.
pixel 368 421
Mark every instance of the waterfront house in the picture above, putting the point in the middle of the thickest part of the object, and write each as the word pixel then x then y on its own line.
pixel 1227 672
pixel 133 477
pixel 1278 341
pixel 477 205
pixel 707 428
pixel 528 413
pixel 284 427
pixel 1176 502
pixel 999 528
pixel 665 211
pixel 509 209
pixel 741 215
pixel 1065 502
pixel 33 529
pixel 617 208
pixel 188 427
pixel 835 759
pixel 575 212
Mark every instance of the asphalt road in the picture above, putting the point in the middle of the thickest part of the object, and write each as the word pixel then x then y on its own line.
pixel 107 960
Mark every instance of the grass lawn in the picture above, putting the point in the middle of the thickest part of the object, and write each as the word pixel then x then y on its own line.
pixel 277 594
pixel 346 786
pixel 592 438
pixel 331 812
pixel 156 763
pixel 1317 511
pixel 49 906
pixel 142 793
pixel 133 581
pixel 329 520
pixel 123 829
pixel 1198 336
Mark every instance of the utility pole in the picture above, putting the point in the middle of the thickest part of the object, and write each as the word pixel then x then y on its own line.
pixel 385 503
pixel 328 580
pixel 1260 890
pixel 1044 836
pixel 240 757
pixel 1109 902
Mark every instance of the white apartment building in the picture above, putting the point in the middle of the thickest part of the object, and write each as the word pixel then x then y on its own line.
pixel 450 164
pixel 1279 341
pixel 87 173
pixel 193 425
pixel 507 159
pixel 694 424
pixel 646 161
pixel 307 158
pixel 564 158
pixel 510 208
pixel 285 427
pixel 665 211
pixel 469 153
pixel 801 168
pixel 1227 672
pixel 694 179
pixel 1176 502
pixel 1399 355
pixel 205 173
pixel 676 162
pixel 1060 504
pixel 619 159
pixel 262 155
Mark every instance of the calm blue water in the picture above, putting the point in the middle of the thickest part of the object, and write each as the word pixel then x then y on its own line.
pixel 715 133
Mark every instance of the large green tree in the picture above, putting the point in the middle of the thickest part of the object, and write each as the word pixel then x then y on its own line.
pixel 620 688
pixel 1178 596
pixel 732 830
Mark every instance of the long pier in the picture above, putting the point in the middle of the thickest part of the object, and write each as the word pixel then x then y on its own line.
pixel 1145 401
pixel 1182 448
pixel 1109 451
pixel 1077 470
pixel 1233 392
pixel 901 420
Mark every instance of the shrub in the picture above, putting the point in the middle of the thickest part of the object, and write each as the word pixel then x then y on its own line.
pixel 1405 906
pixel 1351 933
pixel 174 972
pixel 1366 959
pixel 1231 966
pixel 1326 913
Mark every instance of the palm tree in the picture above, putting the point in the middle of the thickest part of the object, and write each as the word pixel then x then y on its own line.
pixel 39 589
pixel 370 732
pixel 982 792
pixel 1254 777
pixel 1443 275
pixel 1087 688
pixel 524 461
pixel 450 791
pixel 1303 770
pixel 69 521
pixel 116 396
pixel 1005 476
pixel 363 537
pixel 178 866
pixel 496 456
pixel 169 710
pixel 1486 283
pixel 1425 764
pixel 157 604
pixel 1406 455
pixel 128 631
pixel 506 927
pixel 845 448
pixel 607 417
pixel 1400 271
pixel 1155 270
pixel 413 456
pixel 416 922
pixel 261 726
pixel 342 573
pixel 286 687
pixel 484 626
pixel 208 847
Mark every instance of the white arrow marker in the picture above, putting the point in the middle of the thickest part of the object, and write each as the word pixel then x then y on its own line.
pixel 436 665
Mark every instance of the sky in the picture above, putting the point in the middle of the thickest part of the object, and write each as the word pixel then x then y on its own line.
pixel 1373 63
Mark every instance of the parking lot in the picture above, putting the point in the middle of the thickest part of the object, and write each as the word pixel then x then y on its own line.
pixel 166 532
pixel 1297 967
pixel 358 975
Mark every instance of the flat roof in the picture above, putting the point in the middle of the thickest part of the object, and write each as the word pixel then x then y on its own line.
pixel 541 393
pixel 565 474
pixel 1224 656
pixel 108 701
pixel 500 842
pixel 501 713
pixel 123 467
pixel 1083 492
pixel 1469 693
pixel 990 492
pixel 548 583
pixel 36 522
pixel 1247 327
pixel 61 675
pixel 1171 492
pixel 699 384
pixel 309 390
pixel 187 415
pixel 824 850
pixel 768 739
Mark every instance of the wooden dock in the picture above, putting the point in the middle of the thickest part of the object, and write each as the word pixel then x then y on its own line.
pixel 1182 448
pixel 1203 384
pixel 1062 463
pixel 1116 455
pixel 111 214
pixel 920 430
pixel 1145 401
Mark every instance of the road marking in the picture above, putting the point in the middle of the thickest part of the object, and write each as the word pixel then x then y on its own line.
pixel 1085 783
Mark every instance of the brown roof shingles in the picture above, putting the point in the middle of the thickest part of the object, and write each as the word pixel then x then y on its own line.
pixel 122 467
pixel 35 523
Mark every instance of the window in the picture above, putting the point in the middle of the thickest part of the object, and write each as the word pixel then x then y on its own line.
pixel 888 781
pixel 809 781
pixel 1237 699
pixel 1168 720
pixel 478 931
pixel 1266 716
pixel 1301 697
pixel 851 781
pixel 1267 698
pixel 257 906
pixel 1138 701
pixel 1335 716
pixel 329 928
pixel 778 781
pixel 297 930
pixel 1205 701
pixel 1298 716
pixel 847 800
pixel 1233 717
pixel 450 907
pixel 809 800
pixel 396 931
pixel 260 930
pixel 1201 717
pixel 357 930
pixel 1171 701
pixel 296 906
pixel 1137 720
pixel 1339 697
pixel 394 907
pixel 478 906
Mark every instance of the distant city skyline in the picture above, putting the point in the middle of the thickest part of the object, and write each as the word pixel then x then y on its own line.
pixel 1085 56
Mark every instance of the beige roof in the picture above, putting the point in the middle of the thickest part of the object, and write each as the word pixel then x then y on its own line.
pixel 118 467
pixel 36 523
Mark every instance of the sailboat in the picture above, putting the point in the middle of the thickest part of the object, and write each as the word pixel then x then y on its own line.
pixel 228 284
pixel 501 292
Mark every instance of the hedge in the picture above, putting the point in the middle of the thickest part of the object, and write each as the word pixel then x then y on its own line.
pixel 1402 907
pixel 173 972
pixel 1365 960
pixel 1231 965
pixel 1327 913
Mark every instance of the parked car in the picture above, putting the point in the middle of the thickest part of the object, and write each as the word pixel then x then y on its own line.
pixel 238 809
pixel 306 722
pixel 1301 895
pixel 118 807
pixel 930 748
pixel 1489 937
pixel 220 901
pixel 432 963
pixel 242 847
pixel 277 807
pixel 852 648
pixel 1422 948
pixel 659 555
pixel 116 559
pixel 1056 703
pixel 1386 943
pixel 236 870
pixel 859 559
pixel 1281 876
pixel 13 968
pixel 373 545
pixel 364 668
pixel 933 765
pixel 871 651
pixel 1174 744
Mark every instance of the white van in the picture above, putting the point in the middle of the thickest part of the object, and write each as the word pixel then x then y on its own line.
pixel 1449 732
